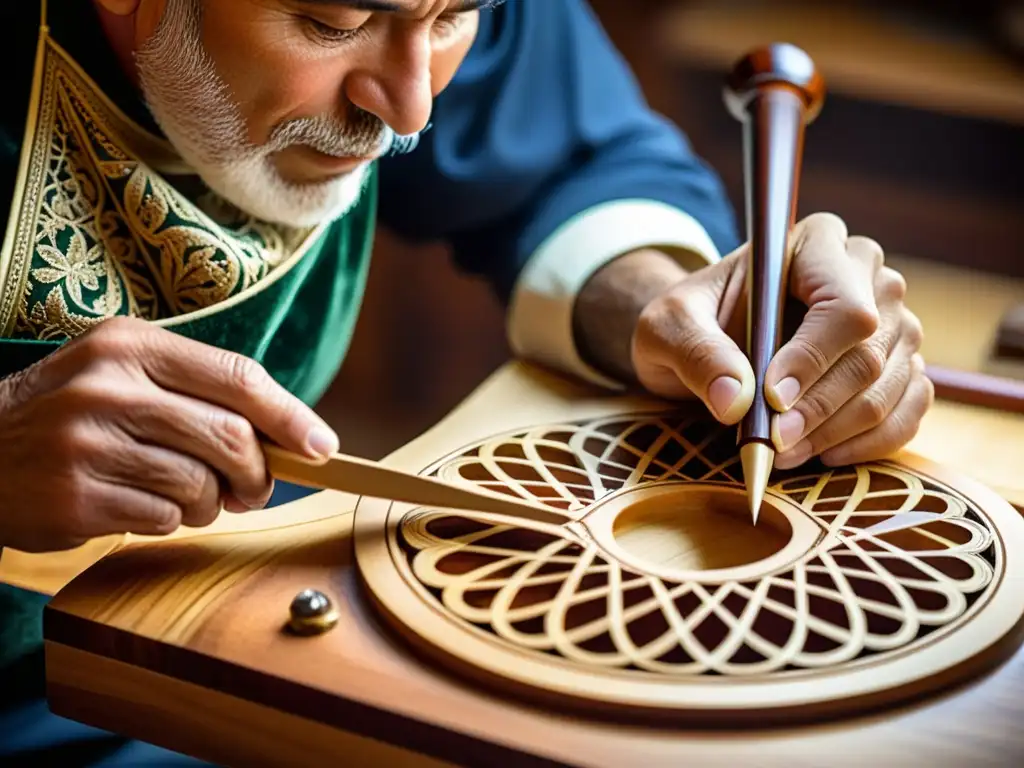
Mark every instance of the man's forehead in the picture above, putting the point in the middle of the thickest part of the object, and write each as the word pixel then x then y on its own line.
pixel 396 6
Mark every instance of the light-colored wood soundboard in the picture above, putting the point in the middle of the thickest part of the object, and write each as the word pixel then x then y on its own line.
pixel 447 642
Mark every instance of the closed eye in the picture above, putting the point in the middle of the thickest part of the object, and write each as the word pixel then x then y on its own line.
pixel 445 24
pixel 328 35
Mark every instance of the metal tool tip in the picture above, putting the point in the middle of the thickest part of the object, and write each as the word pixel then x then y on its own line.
pixel 755 497
pixel 757 460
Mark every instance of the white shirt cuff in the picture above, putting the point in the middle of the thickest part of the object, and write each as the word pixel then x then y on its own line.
pixel 539 321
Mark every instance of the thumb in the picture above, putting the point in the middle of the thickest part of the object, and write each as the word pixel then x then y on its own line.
pixel 680 332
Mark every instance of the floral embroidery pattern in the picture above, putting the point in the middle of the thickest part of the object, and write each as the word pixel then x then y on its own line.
pixel 101 233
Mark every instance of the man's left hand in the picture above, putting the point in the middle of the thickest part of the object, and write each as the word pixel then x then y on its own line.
pixel 848 384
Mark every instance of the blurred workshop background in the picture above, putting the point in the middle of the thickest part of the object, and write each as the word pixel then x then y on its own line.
pixel 920 145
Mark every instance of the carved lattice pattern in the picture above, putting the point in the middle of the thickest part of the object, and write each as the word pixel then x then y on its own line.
pixel 898 558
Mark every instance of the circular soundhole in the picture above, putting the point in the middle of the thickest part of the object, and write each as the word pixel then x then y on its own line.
pixel 698 530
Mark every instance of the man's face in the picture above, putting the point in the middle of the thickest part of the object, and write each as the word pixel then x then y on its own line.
pixel 280 105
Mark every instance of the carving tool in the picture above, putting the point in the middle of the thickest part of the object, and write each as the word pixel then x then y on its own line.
pixel 774 92
pixel 352 474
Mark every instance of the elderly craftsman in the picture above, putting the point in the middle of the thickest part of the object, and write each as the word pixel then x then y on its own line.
pixel 192 189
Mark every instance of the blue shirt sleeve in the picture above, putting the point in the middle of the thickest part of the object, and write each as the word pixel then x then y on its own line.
pixel 542 121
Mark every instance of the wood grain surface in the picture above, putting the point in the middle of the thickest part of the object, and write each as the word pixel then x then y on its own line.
pixel 144 636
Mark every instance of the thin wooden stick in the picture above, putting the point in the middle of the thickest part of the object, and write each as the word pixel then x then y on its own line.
pixel 363 477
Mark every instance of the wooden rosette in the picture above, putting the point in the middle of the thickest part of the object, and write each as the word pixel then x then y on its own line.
pixel 861 586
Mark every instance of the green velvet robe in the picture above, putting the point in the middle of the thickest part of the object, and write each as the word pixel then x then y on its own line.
pixel 104 220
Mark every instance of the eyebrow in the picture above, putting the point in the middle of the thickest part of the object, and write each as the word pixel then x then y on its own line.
pixel 387 6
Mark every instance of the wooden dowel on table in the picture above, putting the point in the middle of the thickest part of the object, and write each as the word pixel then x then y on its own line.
pixel 979 389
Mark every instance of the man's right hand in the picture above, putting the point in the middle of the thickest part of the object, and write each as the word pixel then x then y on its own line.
pixel 131 428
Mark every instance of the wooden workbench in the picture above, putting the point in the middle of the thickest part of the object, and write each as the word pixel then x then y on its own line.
pixel 183 644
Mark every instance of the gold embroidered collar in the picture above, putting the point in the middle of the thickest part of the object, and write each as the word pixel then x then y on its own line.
pixel 96 230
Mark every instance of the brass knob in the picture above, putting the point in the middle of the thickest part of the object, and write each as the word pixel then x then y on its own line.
pixel 312 613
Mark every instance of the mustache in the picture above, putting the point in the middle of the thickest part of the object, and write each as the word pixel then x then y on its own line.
pixel 360 134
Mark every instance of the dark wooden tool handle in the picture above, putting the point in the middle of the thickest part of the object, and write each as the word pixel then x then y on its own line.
pixel 774 140
pixel 775 92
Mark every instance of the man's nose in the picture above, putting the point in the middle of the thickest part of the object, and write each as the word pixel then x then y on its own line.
pixel 396 85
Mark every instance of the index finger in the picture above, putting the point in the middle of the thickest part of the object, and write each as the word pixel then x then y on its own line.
pixel 834 278
pixel 240 384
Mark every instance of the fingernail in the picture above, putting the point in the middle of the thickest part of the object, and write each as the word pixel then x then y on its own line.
pixel 234 504
pixel 795 457
pixel 259 502
pixel 322 441
pixel 723 393
pixel 788 428
pixel 786 393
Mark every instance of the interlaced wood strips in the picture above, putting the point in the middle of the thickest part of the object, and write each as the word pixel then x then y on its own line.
pixel 898 557
pixel 572 465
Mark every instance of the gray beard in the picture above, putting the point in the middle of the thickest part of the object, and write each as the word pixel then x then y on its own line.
pixel 194 108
